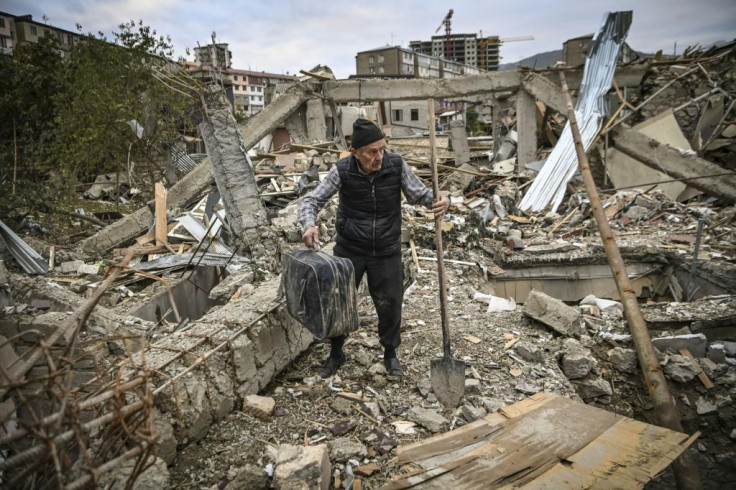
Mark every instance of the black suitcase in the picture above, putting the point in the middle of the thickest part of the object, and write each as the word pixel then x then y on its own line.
pixel 320 292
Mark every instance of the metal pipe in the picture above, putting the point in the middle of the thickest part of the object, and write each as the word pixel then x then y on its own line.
pixel 686 473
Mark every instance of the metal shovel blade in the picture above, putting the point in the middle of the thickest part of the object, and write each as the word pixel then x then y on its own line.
pixel 448 380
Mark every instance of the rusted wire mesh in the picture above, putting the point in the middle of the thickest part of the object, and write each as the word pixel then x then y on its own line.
pixel 68 416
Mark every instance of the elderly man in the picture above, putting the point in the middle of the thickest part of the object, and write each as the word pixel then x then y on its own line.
pixel 370 181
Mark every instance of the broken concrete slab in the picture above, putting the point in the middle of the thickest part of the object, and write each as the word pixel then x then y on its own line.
pixel 554 313
pixel 695 343
pixel 592 388
pixel 302 468
pixel 577 361
pixel 623 359
pixel 343 449
pixel 680 368
pixel 664 157
pixel 429 419
pixel 259 406
pixel 70 267
pixel 249 476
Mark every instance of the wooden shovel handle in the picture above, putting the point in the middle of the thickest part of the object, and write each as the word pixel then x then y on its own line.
pixel 438 235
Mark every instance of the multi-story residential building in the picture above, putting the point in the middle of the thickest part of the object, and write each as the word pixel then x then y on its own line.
pixel 217 55
pixel 17 30
pixel 408 117
pixel 392 61
pixel 248 91
pixel 468 49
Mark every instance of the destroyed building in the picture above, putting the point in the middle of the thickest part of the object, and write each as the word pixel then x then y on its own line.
pixel 158 349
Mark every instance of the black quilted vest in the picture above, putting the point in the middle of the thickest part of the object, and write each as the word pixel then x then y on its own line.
pixel 369 214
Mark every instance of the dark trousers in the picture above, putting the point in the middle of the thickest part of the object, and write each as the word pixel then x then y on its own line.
pixel 385 283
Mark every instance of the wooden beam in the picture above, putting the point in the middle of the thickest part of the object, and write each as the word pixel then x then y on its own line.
pixel 160 210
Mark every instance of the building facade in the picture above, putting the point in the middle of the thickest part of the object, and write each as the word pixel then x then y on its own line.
pixel 217 55
pixel 396 61
pixel 16 30
pixel 467 49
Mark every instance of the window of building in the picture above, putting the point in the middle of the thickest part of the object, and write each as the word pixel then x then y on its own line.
pixel 259 89
pixel 69 39
pixel 398 115
pixel 235 77
pixel 371 70
pixel 34 31
pixel 2 23
pixel 371 59
pixel 380 58
pixel 260 98
pixel 415 114
pixel 380 69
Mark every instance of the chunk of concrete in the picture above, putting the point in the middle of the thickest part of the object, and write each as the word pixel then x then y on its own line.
pixel 302 468
pixel 529 351
pixel 154 477
pixel 553 313
pixel 429 419
pixel 88 269
pixel 592 387
pixel 71 267
pixel 472 386
pixel 624 360
pixel 471 413
pixel 680 368
pixel 577 361
pixel 717 353
pixel 704 407
pixel 695 343
pixel 249 476
pixel 343 449
pixel 729 347
pixel 259 406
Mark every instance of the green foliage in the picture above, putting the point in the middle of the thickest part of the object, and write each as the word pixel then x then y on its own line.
pixel 71 114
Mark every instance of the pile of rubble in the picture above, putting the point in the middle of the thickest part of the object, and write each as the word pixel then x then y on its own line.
pixel 175 306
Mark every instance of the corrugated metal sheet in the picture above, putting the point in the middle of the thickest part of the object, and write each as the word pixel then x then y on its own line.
pixel 549 186
pixel 29 259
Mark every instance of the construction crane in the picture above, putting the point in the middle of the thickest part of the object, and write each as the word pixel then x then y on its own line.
pixel 515 39
pixel 446 22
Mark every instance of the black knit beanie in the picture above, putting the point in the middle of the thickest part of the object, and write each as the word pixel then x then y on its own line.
pixel 365 132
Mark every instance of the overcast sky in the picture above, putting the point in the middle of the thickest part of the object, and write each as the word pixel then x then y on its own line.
pixel 288 35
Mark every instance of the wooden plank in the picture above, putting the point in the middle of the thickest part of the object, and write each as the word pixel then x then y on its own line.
pixel 160 210
pixel 627 455
pixel 548 441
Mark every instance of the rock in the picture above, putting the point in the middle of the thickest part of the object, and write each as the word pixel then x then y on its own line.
pixel 717 353
pixel 259 406
pixel 154 477
pixel 592 387
pixel 577 361
pixel 527 388
pixel 372 408
pixel 343 449
pixel 733 435
pixel 363 358
pixel 377 368
pixel 249 476
pixel 515 243
pixel 343 406
pixel 492 404
pixel 529 351
pixel 472 386
pixel 343 427
pixel 424 386
pixel 703 406
pixel 471 413
pixel 71 267
pixel 695 343
pixel 624 360
pixel 429 419
pixel 88 269
pixel 680 368
pixel 729 347
pixel 553 313
pixel 302 468
pixel 635 213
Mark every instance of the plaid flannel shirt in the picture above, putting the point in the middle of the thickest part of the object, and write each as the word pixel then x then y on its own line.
pixel 414 190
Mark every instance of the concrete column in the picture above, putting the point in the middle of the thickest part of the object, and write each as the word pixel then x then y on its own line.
pixel 316 125
pixel 526 127
pixel 459 139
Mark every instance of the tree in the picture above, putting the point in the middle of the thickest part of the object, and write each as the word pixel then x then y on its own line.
pixel 110 85
pixel 473 124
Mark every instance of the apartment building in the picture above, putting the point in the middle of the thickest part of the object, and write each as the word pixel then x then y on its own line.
pixel 18 30
pixel 467 49
pixel 396 61
pixel 213 55
pixel 248 91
